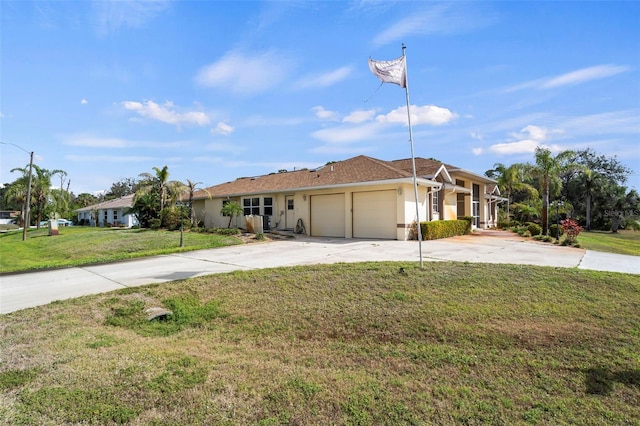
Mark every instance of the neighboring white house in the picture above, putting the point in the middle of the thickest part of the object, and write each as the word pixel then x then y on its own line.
pixel 361 197
pixel 109 213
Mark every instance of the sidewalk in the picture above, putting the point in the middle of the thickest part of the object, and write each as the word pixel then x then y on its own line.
pixel 27 290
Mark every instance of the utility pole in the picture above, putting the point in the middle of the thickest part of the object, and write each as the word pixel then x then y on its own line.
pixel 27 219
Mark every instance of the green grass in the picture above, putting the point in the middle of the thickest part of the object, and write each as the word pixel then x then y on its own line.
pixel 623 242
pixel 84 245
pixel 455 343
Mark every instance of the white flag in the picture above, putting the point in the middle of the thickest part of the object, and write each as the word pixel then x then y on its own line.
pixel 390 71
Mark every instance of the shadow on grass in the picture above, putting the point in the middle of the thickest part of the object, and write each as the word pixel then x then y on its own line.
pixel 600 381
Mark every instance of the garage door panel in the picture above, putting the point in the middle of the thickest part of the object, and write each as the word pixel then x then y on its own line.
pixel 327 215
pixel 374 214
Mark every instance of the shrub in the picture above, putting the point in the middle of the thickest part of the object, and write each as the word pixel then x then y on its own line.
pixel 571 229
pixel 444 228
pixel 555 230
pixel 534 228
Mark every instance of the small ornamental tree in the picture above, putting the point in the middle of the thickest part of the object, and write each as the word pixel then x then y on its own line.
pixel 571 229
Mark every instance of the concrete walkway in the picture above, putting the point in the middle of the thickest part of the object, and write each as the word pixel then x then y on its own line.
pixel 27 290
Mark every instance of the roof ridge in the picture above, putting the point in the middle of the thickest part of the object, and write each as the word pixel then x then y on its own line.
pixel 385 163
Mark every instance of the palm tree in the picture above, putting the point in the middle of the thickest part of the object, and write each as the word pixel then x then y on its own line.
pixel 231 209
pixel 547 169
pixel 589 183
pixel 511 179
pixel 192 187
pixel 40 187
pixel 168 191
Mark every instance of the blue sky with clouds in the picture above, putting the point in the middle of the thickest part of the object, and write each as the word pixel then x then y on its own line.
pixel 217 90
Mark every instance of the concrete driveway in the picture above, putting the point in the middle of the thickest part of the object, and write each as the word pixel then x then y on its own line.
pixel 27 290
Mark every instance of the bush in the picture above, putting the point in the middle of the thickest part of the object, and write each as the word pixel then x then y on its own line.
pixel 171 217
pixel 571 229
pixel 555 230
pixel 445 228
pixel 155 224
pixel 534 228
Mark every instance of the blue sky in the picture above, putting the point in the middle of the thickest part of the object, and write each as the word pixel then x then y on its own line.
pixel 218 90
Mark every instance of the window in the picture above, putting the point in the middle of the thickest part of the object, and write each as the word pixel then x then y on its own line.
pixel 268 206
pixel 115 215
pixel 435 197
pixel 476 205
pixel 290 204
pixel 251 206
pixel 105 216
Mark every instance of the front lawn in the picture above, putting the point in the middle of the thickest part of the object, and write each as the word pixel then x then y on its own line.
pixel 354 344
pixel 78 245
pixel 623 242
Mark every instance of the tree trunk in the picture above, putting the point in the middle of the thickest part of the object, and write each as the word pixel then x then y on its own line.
pixel 545 209
pixel 588 214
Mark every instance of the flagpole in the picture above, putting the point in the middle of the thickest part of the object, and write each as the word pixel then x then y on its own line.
pixel 413 159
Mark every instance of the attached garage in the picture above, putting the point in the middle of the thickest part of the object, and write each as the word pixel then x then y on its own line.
pixel 327 215
pixel 374 214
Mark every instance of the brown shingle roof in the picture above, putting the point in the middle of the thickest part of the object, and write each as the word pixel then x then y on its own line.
pixel 354 170
pixel 358 169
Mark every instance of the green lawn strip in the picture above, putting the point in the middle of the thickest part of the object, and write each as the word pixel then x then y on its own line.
pixel 454 343
pixel 83 245
pixel 622 242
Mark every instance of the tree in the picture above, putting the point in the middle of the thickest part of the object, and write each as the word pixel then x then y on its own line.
pixel 85 199
pixel 192 187
pixel 40 187
pixel 547 169
pixel 125 186
pixel 145 208
pixel 511 179
pixel 159 183
pixel 588 183
pixel 231 209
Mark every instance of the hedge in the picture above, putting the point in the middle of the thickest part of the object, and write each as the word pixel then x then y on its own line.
pixel 445 228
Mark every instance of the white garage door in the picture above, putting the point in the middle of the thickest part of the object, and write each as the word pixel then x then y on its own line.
pixel 327 215
pixel 374 215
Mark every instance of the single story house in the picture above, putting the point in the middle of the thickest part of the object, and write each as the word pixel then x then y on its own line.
pixel 109 213
pixel 361 197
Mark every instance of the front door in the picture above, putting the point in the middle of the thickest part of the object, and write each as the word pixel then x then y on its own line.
pixel 290 217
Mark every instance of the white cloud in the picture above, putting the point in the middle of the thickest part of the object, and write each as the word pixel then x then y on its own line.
pixel 449 18
pixel 359 116
pixel 84 101
pixel 324 114
pixel 477 151
pixel 475 134
pixel 527 140
pixel 584 75
pixel 112 15
pixel 427 114
pixel 166 113
pixel 324 80
pixel 345 135
pixel 90 141
pixel 222 129
pixel 571 78
pixel 245 74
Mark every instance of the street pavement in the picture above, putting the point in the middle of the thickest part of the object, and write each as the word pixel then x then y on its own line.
pixel 20 291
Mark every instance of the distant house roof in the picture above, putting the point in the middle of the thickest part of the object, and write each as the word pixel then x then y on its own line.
pixel 357 170
pixel 118 203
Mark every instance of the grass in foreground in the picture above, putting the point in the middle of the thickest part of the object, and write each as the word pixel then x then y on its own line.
pixel 366 343
pixel 83 245
pixel 623 242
